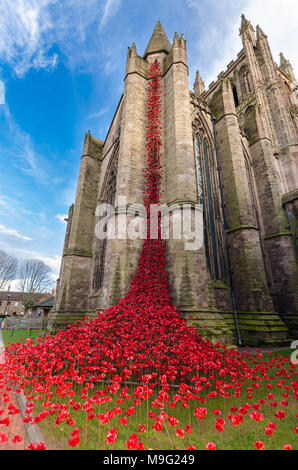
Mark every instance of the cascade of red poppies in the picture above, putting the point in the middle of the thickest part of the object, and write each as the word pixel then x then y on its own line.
pixel 142 338
pixel 143 333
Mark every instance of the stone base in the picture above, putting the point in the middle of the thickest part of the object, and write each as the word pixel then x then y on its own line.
pixel 58 320
pixel 212 325
pixel 291 321
pixel 256 328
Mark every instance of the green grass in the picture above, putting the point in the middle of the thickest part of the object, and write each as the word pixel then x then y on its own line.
pixel 281 353
pixel 242 437
pixel 18 336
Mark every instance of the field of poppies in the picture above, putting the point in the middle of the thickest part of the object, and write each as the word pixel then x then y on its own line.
pixel 137 377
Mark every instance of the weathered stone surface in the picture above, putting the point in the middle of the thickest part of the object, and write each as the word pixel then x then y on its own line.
pixel 245 189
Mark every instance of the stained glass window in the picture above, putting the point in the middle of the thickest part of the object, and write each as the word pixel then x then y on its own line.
pixel 205 198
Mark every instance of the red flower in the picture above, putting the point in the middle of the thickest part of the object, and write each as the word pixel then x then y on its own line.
pixel 157 426
pixel 180 433
pixel 280 414
pixel 132 442
pixel 188 429
pixel 5 421
pixel 237 419
pixel 210 446
pixel 200 413
pixel 37 446
pixel 259 445
pixel 256 416
pixel 3 437
pixel 142 428
pixel 112 436
pixel 287 447
pixel 172 420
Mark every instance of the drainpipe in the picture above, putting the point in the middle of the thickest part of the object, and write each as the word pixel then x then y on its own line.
pixel 291 228
pixel 227 245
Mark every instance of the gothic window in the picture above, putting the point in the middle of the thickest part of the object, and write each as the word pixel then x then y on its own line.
pixel 100 254
pixel 245 81
pixel 206 199
pixel 235 95
pixel 251 190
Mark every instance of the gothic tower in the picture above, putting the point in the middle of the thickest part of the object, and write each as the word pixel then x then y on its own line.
pixel 232 149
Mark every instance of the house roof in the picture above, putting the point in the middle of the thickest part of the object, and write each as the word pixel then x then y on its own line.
pixel 18 296
pixel 46 303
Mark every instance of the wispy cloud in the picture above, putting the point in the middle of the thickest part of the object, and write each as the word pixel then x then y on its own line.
pixel 21 149
pixel 38 33
pixel 24 25
pixel 100 113
pixel 110 9
pixel 14 233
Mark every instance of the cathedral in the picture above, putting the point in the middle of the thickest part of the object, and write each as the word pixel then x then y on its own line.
pixel 233 148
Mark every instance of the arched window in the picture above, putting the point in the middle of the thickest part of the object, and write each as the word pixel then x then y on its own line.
pixel 245 81
pixel 235 95
pixel 206 199
pixel 100 253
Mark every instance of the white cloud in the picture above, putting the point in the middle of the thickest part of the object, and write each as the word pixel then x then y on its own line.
pixel 34 32
pixel 110 9
pixel 13 233
pixel 24 25
pixel 100 113
pixel 61 217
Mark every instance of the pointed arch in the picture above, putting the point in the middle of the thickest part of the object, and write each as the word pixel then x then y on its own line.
pixel 208 196
pixel 108 195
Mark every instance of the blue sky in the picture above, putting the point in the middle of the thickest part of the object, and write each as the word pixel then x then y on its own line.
pixel 63 62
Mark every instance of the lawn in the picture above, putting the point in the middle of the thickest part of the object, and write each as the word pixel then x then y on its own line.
pixel 89 417
pixel 69 406
pixel 18 336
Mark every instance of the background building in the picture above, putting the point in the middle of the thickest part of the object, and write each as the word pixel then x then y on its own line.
pixel 11 303
pixel 232 148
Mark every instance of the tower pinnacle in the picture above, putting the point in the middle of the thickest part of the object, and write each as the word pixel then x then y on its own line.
pixel 199 86
pixel 159 41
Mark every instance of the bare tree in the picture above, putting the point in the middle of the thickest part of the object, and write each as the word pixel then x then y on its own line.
pixel 33 279
pixel 8 269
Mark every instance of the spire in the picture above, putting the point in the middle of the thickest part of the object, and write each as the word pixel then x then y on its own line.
pixel 247 30
pixel 176 41
pixel 283 60
pixel 159 41
pixel 133 52
pixel 286 67
pixel 244 23
pixel 199 86
pixel 260 32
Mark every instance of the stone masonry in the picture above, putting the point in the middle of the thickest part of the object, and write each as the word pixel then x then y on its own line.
pixel 231 148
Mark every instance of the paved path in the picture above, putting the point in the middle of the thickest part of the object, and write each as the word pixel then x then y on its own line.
pixel 16 426
pixel 2 347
